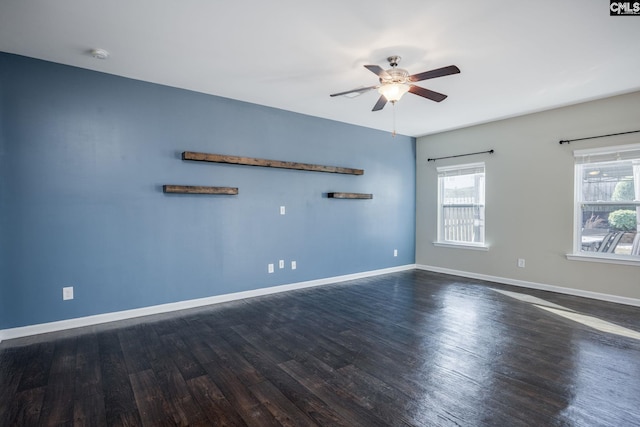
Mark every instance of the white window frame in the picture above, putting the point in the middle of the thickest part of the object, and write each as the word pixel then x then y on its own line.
pixel 459 170
pixel 594 156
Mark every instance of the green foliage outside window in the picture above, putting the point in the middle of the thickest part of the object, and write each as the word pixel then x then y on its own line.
pixel 623 192
pixel 623 220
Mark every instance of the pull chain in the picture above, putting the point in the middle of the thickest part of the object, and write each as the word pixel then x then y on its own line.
pixel 393 134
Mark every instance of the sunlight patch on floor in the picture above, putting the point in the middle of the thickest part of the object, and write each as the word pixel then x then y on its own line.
pixel 590 321
pixel 530 299
pixel 594 322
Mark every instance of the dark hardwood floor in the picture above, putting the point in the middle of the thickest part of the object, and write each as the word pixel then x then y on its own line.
pixel 412 348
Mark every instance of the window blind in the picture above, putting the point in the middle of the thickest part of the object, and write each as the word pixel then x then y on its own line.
pixel 607 154
pixel 468 169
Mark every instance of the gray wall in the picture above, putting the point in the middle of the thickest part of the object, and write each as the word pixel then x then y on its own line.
pixel 529 195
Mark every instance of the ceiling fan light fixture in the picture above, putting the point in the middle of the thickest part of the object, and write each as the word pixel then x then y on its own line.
pixel 393 91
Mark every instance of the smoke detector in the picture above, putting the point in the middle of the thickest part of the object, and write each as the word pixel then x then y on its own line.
pixel 99 53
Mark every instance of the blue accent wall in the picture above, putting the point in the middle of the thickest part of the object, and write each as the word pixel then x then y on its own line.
pixel 84 156
pixel 3 207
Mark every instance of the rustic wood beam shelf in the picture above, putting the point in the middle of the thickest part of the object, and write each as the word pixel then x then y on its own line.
pixel 251 161
pixel 349 196
pixel 199 189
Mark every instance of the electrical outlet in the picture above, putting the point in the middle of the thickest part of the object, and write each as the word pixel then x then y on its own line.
pixel 67 293
pixel 282 210
pixel 293 265
pixel 395 252
pixel 521 262
pixel 270 268
pixel 281 263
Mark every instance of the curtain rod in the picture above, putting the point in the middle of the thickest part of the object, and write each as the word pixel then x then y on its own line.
pixel 599 136
pixel 460 155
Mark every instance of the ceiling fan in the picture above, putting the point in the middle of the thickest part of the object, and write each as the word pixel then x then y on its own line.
pixel 395 82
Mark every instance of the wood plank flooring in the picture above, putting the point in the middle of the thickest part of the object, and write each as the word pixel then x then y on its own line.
pixel 413 348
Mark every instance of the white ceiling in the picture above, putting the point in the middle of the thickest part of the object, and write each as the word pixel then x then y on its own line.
pixel 516 57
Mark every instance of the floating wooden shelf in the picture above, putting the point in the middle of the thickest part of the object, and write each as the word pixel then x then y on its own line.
pixel 250 161
pixel 198 189
pixel 349 196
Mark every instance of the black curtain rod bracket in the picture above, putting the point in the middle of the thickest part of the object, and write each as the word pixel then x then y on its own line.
pixel 461 155
pixel 568 141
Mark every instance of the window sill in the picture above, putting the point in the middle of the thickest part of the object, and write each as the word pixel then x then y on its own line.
pixel 461 245
pixel 605 259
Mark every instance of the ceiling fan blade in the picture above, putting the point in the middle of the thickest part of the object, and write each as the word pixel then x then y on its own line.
pixel 438 72
pixel 360 90
pixel 426 93
pixel 378 71
pixel 380 104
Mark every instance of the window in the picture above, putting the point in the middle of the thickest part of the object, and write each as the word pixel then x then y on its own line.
pixel 607 202
pixel 461 205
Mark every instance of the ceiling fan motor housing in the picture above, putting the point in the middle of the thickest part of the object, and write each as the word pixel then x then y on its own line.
pixel 395 75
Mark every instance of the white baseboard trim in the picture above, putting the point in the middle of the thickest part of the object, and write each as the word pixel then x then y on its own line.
pixel 533 285
pixel 79 322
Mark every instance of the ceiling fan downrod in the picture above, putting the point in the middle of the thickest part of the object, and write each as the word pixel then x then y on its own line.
pixel 394 60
